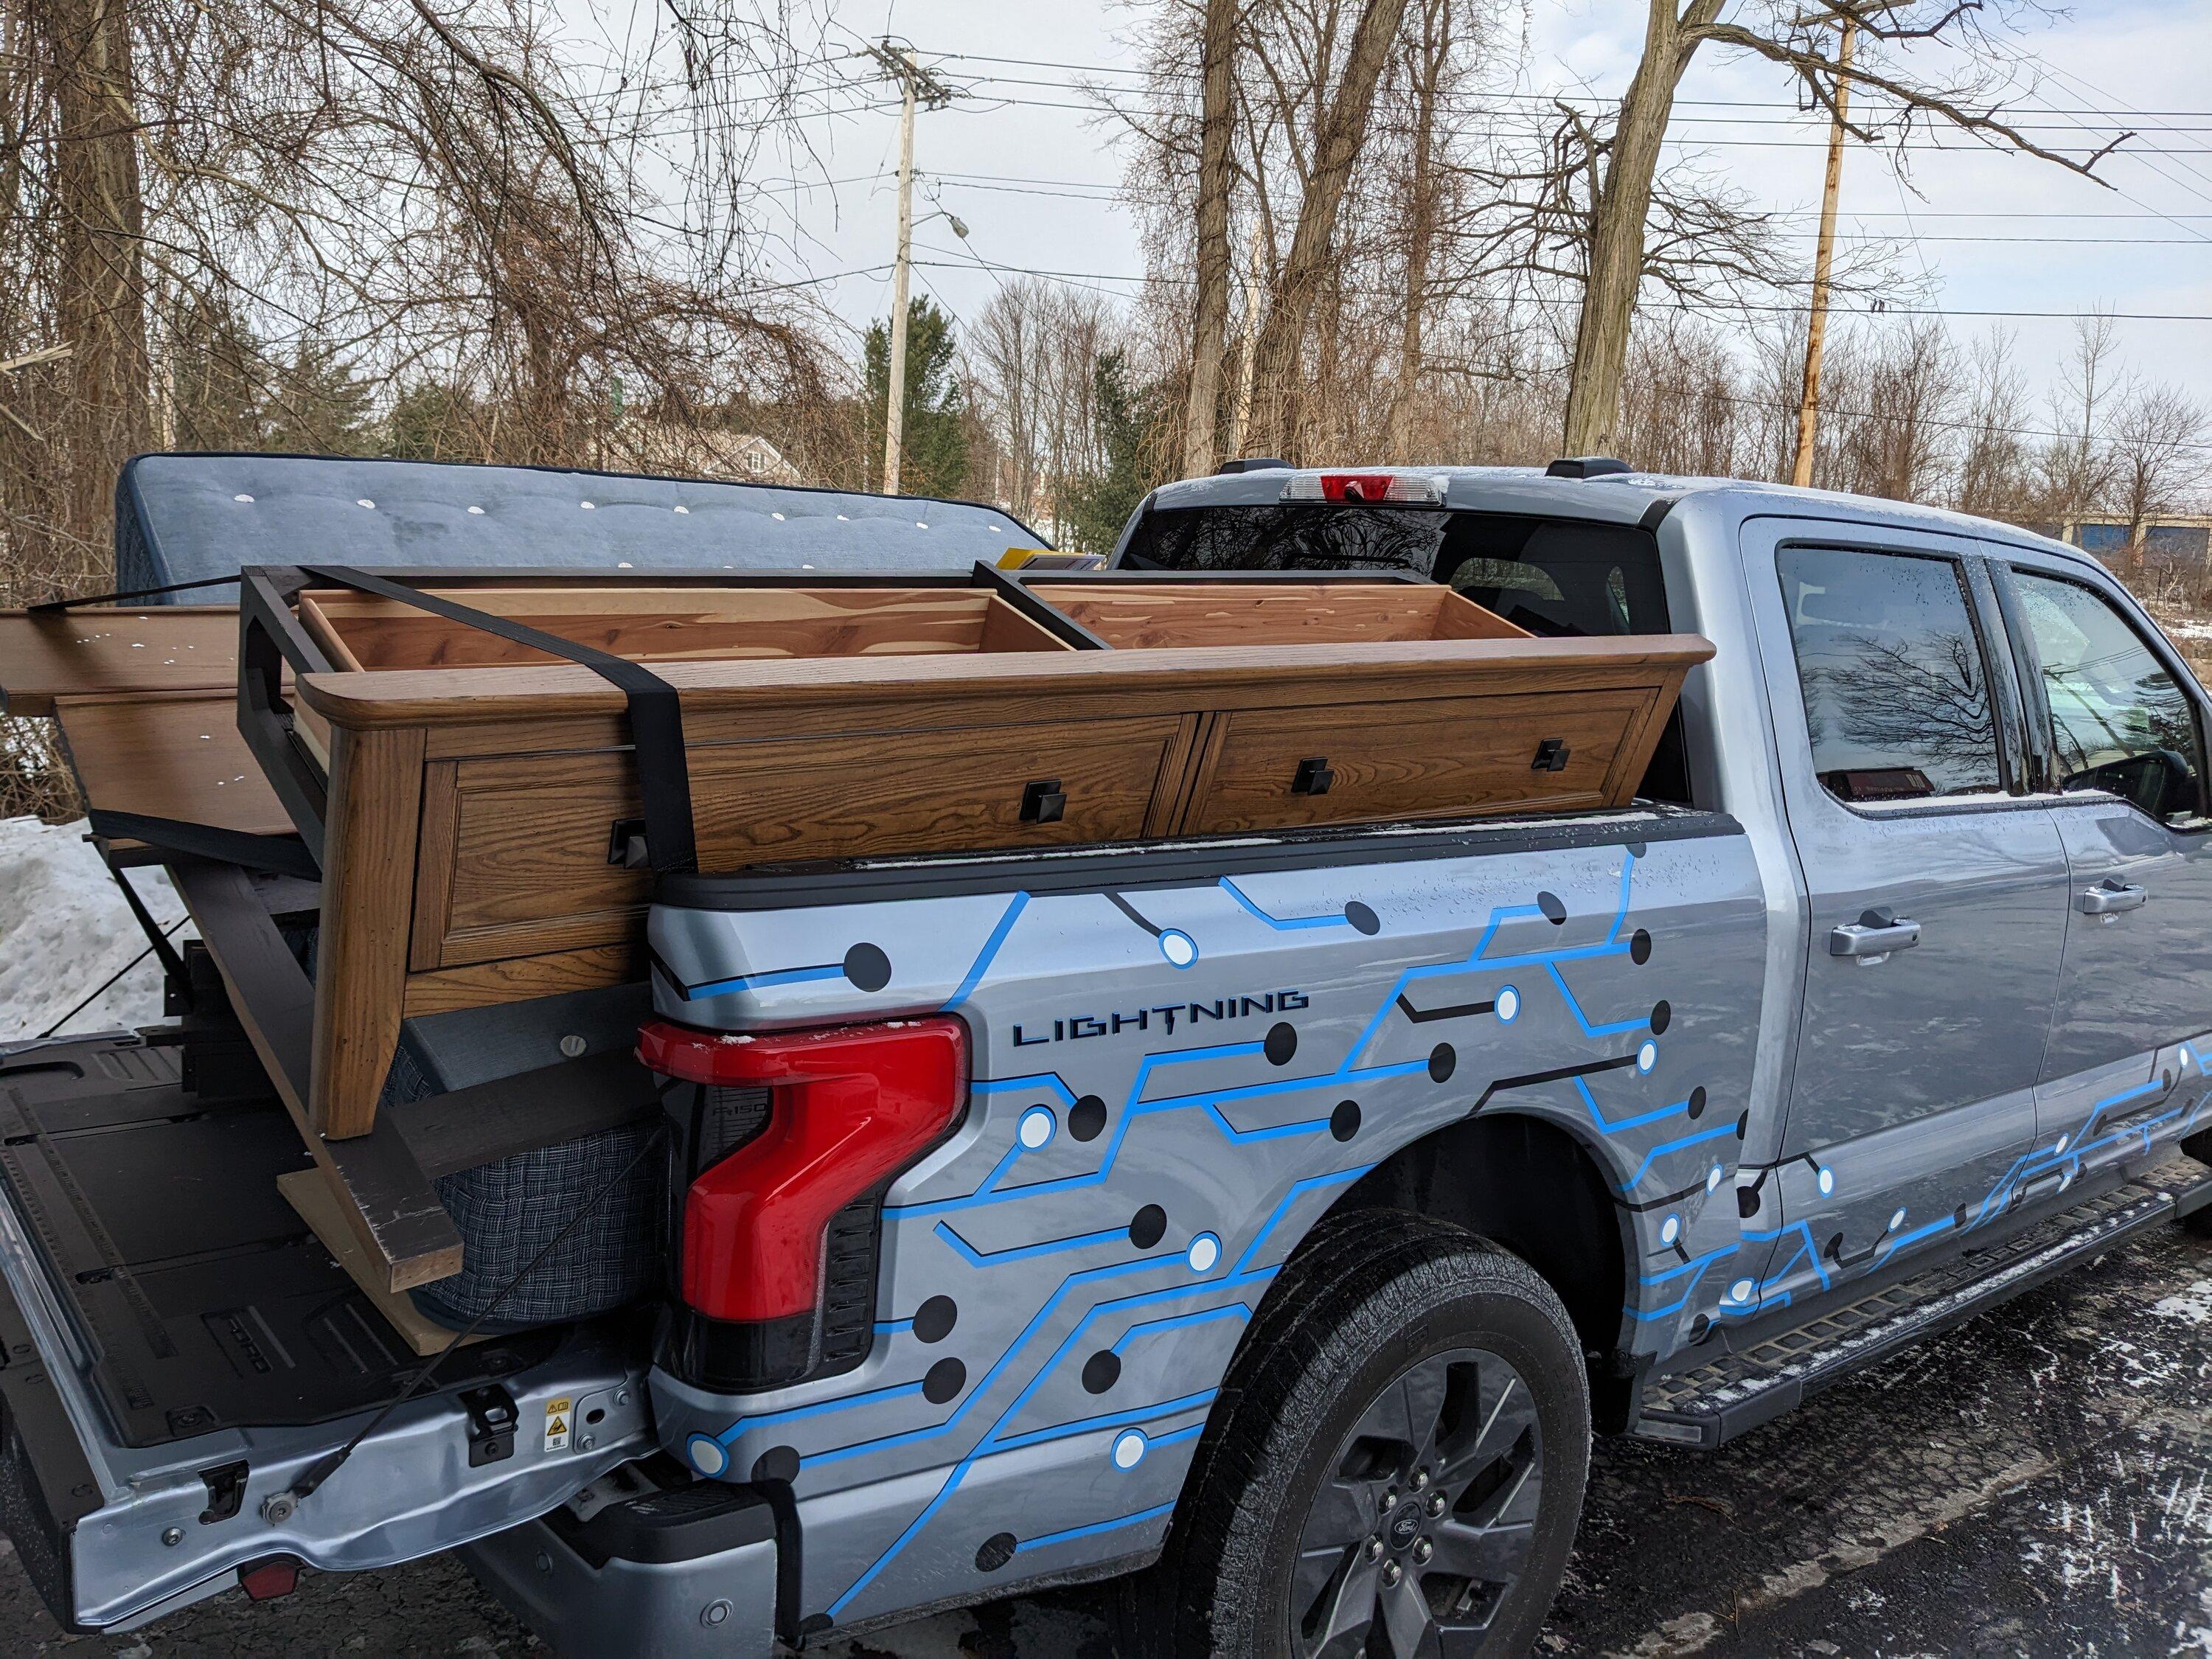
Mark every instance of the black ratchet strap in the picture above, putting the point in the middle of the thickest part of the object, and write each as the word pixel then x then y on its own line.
pixel 53 607
pixel 656 718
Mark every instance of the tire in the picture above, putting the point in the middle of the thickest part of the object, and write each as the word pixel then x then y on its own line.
pixel 1394 1467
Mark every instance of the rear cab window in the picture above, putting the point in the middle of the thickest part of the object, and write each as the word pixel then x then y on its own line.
pixel 1897 698
pixel 1557 577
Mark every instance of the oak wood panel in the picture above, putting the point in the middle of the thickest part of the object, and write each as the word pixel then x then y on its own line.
pixel 100 651
pixel 530 866
pixel 433 864
pixel 1165 810
pixel 387 1200
pixel 1140 616
pixel 523 979
pixel 1443 757
pixel 506 710
pixel 170 755
pixel 666 625
pixel 361 958
pixel 1641 739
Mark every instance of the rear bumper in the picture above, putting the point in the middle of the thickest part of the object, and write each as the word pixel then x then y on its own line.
pixel 113 1535
pixel 717 1604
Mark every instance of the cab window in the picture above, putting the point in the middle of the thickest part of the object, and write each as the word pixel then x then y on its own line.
pixel 1897 697
pixel 2120 721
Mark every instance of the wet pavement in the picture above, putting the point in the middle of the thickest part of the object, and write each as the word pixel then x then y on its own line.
pixel 2033 1482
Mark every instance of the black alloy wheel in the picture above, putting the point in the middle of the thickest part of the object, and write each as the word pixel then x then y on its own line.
pixel 1427 1519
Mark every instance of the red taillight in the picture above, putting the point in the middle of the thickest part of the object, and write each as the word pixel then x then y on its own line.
pixel 1423 489
pixel 851 1106
pixel 1355 486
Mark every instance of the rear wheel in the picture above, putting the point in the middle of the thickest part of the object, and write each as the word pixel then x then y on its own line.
pixel 1398 1467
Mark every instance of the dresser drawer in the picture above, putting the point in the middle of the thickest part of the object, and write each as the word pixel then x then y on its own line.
pixel 529 835
pixel 1269 767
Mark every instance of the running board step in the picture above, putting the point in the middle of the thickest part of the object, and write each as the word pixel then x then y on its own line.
pixel 1738 1392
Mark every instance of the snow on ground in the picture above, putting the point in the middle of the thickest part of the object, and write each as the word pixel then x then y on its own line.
pixel 64 929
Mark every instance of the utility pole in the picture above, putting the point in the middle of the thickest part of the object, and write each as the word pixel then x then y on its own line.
pixel 1816 328
pixel 920 88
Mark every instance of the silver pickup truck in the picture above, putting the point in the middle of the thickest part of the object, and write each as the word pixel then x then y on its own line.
pixel 1265 1222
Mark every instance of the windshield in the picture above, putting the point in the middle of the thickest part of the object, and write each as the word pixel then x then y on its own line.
pixel 1555 577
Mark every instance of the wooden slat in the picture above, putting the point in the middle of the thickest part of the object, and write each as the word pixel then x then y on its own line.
pixel 170 755
pixel 311 1197
pixel 650 624
pixel 361 958
pixel 522 979
pixel 834 693
pixel 98 651
pixel 388 1202
pixel 1152 616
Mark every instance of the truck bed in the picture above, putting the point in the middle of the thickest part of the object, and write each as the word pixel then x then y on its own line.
pixel 201 1299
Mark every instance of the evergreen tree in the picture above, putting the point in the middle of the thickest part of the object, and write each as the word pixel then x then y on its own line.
pixel 215 377
pixel 433 421
pixel 316 403
pixel 1095 507
pixel 933 438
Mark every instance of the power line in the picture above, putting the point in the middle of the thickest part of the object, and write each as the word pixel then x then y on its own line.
pixel 1529 97
pixel 1882 310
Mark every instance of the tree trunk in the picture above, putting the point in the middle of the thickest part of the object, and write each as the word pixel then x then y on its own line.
pixel 100 297
pixel 1201 421
pixel 1617 225
pixel 1339 137
pixel 1421 223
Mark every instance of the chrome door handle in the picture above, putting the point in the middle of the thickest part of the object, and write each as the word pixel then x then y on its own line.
pixel 1872 937
pixel 2111 896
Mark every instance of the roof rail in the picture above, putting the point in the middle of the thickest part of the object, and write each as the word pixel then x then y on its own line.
pixel 1253 464
pixel 1587 466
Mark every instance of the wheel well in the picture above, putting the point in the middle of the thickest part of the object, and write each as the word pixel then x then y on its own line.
pixel 1528 1185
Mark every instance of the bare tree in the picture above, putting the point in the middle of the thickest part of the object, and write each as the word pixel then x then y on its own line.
pixel 1340 130
pixel 1994 478
pixel 418 191
pixel 2078 468
pixel 1898 442
pixel 2159 457
pixel 1795 38
pixel 1217 75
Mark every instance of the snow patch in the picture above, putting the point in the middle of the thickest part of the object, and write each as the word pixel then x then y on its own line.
pixel 64 929
pixel 2192 1306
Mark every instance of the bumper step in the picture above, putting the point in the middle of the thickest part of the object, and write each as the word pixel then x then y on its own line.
pixel 1717 1402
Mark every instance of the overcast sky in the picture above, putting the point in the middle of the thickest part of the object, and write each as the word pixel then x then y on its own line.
pixel 1987 231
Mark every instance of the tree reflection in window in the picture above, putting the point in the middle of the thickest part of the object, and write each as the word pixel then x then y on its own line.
pixel 1897 705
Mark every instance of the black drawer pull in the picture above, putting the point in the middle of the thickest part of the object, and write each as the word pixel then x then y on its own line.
pixel 1551 756
pixel 1314 777
pixel 1044 802
pixel 626 845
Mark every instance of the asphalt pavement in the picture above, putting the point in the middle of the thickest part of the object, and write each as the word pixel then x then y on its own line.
pixel 2034 1482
